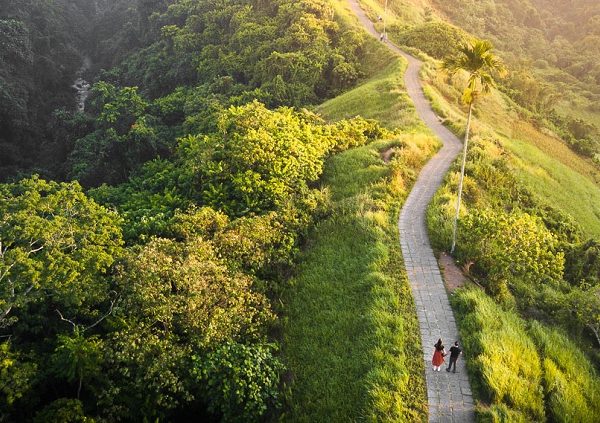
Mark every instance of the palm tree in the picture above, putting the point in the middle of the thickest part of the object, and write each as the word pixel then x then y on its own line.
pixel 480 63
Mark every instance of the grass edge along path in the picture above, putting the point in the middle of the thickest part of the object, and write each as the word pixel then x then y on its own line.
pixel 523 371
pixel 351 338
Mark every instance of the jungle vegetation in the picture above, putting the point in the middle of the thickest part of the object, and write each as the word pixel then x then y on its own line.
pixel 214 236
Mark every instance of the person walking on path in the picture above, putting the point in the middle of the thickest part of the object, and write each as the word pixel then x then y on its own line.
pixel 455 351
pixel 438 355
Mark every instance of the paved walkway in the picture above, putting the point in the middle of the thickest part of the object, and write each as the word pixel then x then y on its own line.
pixel 449 395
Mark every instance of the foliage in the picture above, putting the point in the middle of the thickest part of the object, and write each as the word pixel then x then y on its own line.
pixel 437 39
pixel 552 48
pixel 16 376
pixel 510 248
pixel 215 195
pixel 241 381
pixel 123 137
pixel 77 357
pixel 500 347
pixel 63 410
pixel 553 32
pixel 571 384
pixel 53 240
pixel 38 57
pixel 476 58
pixel 502 359
pixel 187 288
pixel 257 160
pixel 552 286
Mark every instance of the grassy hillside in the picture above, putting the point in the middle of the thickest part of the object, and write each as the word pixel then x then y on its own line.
pixel 351 336
pixel 524 371
pixel 351 339
pixel 530 202
pixel 553 172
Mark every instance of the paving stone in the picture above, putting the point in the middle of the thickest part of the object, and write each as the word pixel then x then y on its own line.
pixel 449 394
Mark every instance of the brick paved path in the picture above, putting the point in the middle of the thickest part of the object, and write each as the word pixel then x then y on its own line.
pixel 449 395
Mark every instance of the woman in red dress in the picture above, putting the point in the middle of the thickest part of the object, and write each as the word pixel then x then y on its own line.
pixel 438 355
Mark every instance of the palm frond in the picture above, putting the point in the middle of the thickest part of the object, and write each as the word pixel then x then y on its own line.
pixel 478 60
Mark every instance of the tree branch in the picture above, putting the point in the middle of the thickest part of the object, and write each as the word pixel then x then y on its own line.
pixel 594 329
pixel 66 320
pixel 108 313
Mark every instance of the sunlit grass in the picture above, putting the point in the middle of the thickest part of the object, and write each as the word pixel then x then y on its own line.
pixel 351 338
pixel 351 335
pixel 503 361
pixel 553 172
pixel 558 184
pixel 382 98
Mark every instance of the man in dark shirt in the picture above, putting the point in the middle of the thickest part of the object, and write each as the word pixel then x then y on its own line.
pixel 454 353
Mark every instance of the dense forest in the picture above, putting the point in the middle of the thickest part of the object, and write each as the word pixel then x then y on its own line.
pixel 153 295
pixel 169 191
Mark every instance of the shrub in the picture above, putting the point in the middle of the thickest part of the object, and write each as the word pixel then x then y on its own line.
pixel 434 38
pixel 241 381
pixel 63 410
pixel 513 248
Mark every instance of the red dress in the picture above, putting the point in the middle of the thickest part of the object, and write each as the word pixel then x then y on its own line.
pixel 438 357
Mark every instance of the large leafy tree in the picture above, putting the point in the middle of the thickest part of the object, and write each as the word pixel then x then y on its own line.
pixel 475 58
pixel 55 243
pixel 178 299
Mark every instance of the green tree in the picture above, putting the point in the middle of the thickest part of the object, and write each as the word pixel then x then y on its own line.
pixel 585 306
pixel 77 357
pixel 512 249
pixel 54 243
pixel 480 63
pixel 123 138
pixel 63 410
pixel 186 288
pixel 16 377
pixel 257 161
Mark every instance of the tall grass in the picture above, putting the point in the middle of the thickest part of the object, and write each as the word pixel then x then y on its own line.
pixel 502 359
pixel 351 335
pixel 524 371
pixel 382 98
pixel 558 184
pixel 571 384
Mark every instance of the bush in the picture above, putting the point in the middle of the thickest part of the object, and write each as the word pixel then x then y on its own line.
pixel 434 38
pixel 510 248
pixel 241 380
pixel 63 410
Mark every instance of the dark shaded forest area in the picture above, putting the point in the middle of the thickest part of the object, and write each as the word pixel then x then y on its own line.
pixel 144 283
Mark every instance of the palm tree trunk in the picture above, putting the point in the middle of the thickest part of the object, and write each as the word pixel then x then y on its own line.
pixel 462 177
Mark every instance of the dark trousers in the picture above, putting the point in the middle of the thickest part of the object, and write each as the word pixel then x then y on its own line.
pixel 452 363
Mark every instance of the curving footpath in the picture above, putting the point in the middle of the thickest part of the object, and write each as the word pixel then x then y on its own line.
pixel 449 394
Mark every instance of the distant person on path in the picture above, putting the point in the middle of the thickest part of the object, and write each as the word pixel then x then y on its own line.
pixel 381 37
pixel 454 353
pixel 438 355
